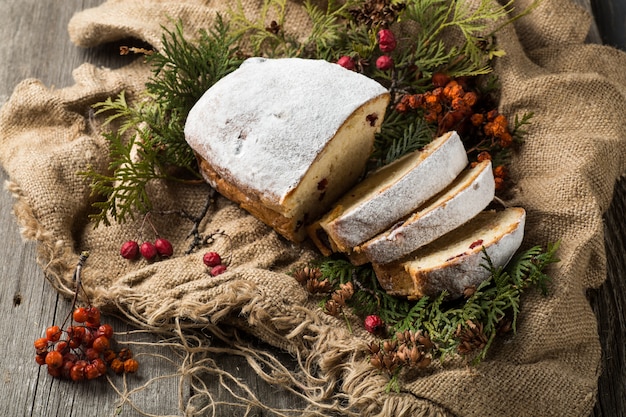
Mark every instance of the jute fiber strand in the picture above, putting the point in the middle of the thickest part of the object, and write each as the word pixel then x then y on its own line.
pixel 564 176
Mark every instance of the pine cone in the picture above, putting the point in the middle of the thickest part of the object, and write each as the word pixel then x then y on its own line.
pixel 307 273
pixel 315 286
pixel 471 338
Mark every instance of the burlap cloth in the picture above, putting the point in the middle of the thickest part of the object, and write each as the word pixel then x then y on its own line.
pixel 565 175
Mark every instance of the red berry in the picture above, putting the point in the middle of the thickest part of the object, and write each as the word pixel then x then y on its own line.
pixel 66 370
pixel 41 358
pixel 384 63
pixel 440 79
pixel 41 344
pixel 386 40
pixel 53 333
pixel 346 62
pixel 100 344
pixel 163 247
pixel 88 339
pixel 218 269
pixel 91 354
pixel 91 371
pixel 93 317
pixel 131 366
pixel 80 315
pixel 77 373
pixel 54 359
pixel 62 347
pixel 211 259
pixel 148 250
pixel 100 365
pixel 55 372
pixel 105 330
pixel 373 324
pixel 130 250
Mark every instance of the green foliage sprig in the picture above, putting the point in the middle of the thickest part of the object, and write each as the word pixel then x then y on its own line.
pixel 148 143
pixel 486 311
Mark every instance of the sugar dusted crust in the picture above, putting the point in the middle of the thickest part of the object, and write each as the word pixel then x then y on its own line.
pixel 393 192
pixel 286 137
pixel 455 261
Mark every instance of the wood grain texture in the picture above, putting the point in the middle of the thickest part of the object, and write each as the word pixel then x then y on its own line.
pixel 35 45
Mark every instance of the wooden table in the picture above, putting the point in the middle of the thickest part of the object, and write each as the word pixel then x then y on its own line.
pixel 35 44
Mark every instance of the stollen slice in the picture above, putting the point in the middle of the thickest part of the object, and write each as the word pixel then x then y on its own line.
pixel 457 260
pixel 468 195
pixel 389 194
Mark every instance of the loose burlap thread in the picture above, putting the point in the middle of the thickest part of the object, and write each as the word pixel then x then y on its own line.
pixel 564 176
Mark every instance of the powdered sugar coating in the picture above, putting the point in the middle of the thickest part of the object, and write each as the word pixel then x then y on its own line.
pixel 469 195
pixel 264 125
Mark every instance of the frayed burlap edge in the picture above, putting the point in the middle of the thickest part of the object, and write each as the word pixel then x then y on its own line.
pixel 331 377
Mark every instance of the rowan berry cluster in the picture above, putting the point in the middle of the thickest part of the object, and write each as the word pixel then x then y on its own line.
pixel 148 250
pixel 455 105
pixel 83 350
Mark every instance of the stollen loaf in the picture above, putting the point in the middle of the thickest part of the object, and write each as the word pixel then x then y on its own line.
pixel 285 138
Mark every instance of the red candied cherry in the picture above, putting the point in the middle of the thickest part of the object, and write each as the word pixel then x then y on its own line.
pixel 218 269
pixel 148 250
pixel 386 40
pixel 384 63
pixel 373 324
pixel 346 62
pixel 130 250
pixel 163 247
pixel 53 333
pixel 212 259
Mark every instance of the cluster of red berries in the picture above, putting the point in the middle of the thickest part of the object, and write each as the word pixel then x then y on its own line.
pixel 453 105
pixel 386 43
pixel 148 250
pixel 213 261
pixel 82 351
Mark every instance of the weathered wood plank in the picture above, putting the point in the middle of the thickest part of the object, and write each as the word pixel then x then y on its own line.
pixel 35 45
